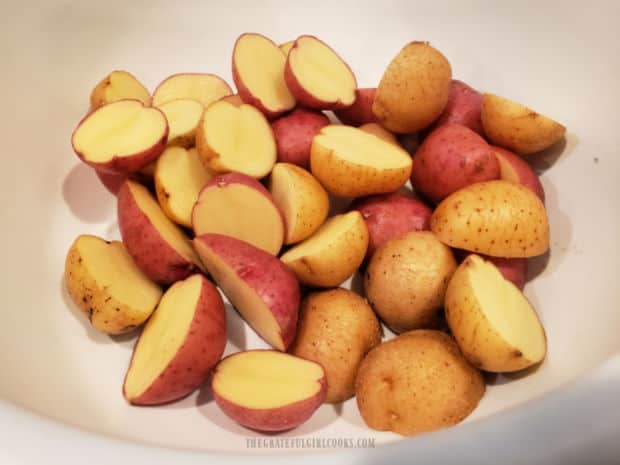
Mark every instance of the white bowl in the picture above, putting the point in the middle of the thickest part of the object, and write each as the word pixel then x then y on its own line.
pixel 561 58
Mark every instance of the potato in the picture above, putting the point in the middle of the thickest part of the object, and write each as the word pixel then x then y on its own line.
pixel 107 286
pixel 493 323
pixel 406 280
pixel 389 215
pixel 450 158
pixel 118 85
pixel 361 111
pixel 204 88
pixel 336 329
pixel 350 162
pixel 516 127
pixel 463 107
pixel 417 382
pixel 515 169
pixel 179 345
pixel 512 269
pixel 332 254
pixel 497 218
pixel 414 89
pixel 183 116
pixel 380 132
pixel 294 133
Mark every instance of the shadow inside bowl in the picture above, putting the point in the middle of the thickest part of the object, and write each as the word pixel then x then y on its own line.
pixel 497 379
pixel 87 199
pixel 544 160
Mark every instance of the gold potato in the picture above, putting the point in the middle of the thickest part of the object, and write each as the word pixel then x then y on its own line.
pixel 496 218
pixel 406 280
pixel 493 323
pixel 336 328
pixel 107 286
pixel 417 382
pixel 414 89
pixel 118 85
pixel 516 127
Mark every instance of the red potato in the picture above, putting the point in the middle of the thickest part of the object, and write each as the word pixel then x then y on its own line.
pixel 361 111
pixel 118 85
pixel 183 340
pixel 294 133
pixel 450 158
pixel 202 87
pixel 258 72
pixel 514 169
pixel 317 76
pixel 262 289
pixel 512 269
pixel 267 390
pixel 287 46
pixel 121 137
pixel 239 206
pixel 463 107
pixel 390 215
pixel 111 181
pixel 158 246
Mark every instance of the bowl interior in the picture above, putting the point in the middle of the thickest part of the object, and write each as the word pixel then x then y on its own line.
pixel 59 367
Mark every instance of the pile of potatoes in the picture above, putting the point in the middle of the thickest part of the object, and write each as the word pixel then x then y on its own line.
pixel 224 193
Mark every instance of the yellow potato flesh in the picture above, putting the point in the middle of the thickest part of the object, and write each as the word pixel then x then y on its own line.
pixel 260 65
pixel 204 88
pixel 320 70
pixel 243 297
pixel 241 137
pixel 183 117
pixel 170 232
pixel 123 85
pixel 119 129
pixel 266 379
pixel 287 46
pixel 163 335
pixel 360 147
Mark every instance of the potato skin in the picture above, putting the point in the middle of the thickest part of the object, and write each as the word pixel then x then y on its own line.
pixel 336 329
pixel 450 158
pixel 516 127
pixel 417 382
pixel 463 107
pixel 406 280
pixel 294 133
pixel 414 89
pixel 361 111
pixel 496 218
pixel 105 313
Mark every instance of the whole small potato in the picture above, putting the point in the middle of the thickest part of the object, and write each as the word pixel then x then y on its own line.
pixel 414 89
pixel 463 107
pixel 450 158
pixel 406 280
pixel 417 382
pixel 336 329
pixel 294 133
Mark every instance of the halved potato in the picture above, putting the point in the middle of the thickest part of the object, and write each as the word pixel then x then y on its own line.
pixel 118 85
pixel 493 323
pixel 332 254
pixel 350 162
pixel 202 87
pixel 183 116
pixel 179 178
pixel 516 127
pixel 105 283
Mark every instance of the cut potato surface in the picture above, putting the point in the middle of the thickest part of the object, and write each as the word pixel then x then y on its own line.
pixel 231 138
pixel 105 283
pixel 496 218
pixel 318 77
pixel 350 162
pixel 118 85
pixel 239 206
pixel 179 178
pixel 287 46
pixel 183 116
pixel 332 254
pixel 495 326
pixel 301 199
pixel 258 72
pixel 121 130
pixel 204 88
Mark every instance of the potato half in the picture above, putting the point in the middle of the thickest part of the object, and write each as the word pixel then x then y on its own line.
pixel 493 323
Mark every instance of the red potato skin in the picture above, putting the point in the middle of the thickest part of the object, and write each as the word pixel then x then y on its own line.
pixel 262 272
pixel 305 98
pixel 153 255
pixel 512 269
pixel 463 107
pixel 294 133
pixel 450 158
pixel 390 215
pixel 201 350
pixel 127 164
pixel 245 94
pixel 277 419
pixel 361 111
pixel 522 172
pixel 111 181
